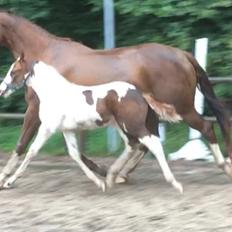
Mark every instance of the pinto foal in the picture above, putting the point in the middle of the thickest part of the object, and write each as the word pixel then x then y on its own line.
pixel 66 107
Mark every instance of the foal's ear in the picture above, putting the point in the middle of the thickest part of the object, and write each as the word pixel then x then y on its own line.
pixel 21 58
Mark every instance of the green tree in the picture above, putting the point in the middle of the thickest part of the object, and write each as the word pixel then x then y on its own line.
pixel 172 22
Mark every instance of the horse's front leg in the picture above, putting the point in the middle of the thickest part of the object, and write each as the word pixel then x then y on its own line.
pixel 43 135
pixel 30 125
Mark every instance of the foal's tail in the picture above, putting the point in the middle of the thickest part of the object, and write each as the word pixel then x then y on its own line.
pixel 217 107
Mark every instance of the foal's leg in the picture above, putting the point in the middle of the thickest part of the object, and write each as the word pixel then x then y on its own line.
pixel 121 161
pixel 153 143
pixel 130 166
pixel 41 138
pixel 30 126
pixel 152 124
pixel 206 128
pixel 71 142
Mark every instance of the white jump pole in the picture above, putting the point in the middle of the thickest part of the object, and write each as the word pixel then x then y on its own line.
pixel 195 147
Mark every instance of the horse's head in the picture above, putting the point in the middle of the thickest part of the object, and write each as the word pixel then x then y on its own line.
pixel 15 77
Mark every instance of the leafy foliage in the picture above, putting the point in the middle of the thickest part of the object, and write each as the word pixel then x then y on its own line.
pixel 172 22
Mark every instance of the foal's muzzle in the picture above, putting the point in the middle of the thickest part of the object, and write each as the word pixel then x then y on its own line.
pixel 6 89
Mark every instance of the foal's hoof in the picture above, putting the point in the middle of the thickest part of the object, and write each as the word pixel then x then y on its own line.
pixel 228 160
pixel 7 185
pixel 228 169
pixel 178 186
pixel 102 185
pixel 1 184
pixel 121 180
pixel 109 182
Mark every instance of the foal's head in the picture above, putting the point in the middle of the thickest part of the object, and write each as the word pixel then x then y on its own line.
pixel 15 77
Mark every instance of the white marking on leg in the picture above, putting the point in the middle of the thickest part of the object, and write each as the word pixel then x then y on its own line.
pixel 41 138
pixel 154 145
pixel 217 154
pixel 71 142
pixel 226 166
pixel 8 169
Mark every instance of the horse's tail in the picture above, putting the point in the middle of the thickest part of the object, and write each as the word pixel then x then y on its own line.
pixel 217 107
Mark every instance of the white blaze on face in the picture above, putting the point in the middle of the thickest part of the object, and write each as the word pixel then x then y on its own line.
pixel 4 91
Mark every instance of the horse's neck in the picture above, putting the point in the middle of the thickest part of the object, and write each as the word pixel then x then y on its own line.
pixel 20 35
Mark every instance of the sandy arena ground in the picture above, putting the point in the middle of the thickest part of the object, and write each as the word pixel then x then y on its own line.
pixel 55 196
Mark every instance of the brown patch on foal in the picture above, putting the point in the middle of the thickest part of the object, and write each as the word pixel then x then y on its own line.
pixel 105 106
pixel 89 96
pixel 164 110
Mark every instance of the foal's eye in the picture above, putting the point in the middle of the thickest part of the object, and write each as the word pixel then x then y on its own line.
pixel 12 74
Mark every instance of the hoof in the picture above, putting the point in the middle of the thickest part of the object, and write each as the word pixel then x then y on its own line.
pixel 178 186
pixel 121 180
pixel 228 160
pixel 228 169
pixel 7 185
pixel 102 185
pixel 109 182
pixel 1 184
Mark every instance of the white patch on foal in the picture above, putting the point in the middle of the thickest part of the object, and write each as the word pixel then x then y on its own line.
pixel 101 91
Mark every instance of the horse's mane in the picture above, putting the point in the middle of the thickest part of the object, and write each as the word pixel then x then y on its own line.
pixel 6 11
pixel 21 20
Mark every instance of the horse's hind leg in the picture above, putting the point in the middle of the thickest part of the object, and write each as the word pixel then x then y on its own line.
pixel 195 121
pixel 73 150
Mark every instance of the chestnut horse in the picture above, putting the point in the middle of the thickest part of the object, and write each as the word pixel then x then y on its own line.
pixel 86 107
pixel 166 76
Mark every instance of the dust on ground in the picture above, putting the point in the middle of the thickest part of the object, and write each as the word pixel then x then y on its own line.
pixel 55 196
